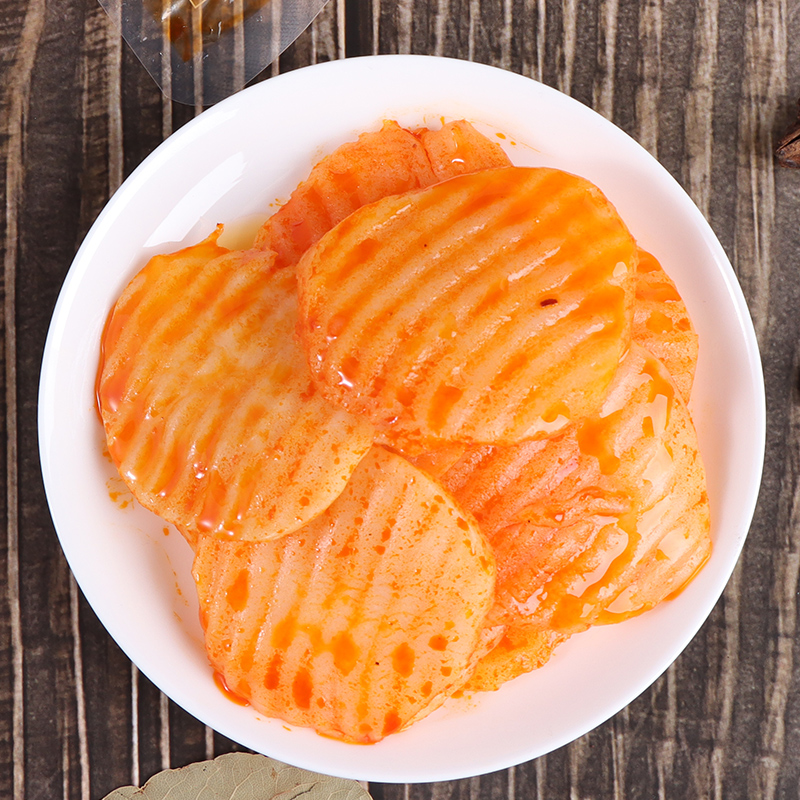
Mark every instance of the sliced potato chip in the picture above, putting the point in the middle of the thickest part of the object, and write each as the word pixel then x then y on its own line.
pixel 493 307
pixel 661 323
pixel 210 412
pixel 361 622
pixel 597 524
pixel 386 162
pixel 457 149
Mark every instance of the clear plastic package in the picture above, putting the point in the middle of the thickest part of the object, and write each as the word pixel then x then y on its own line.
pixel 201 51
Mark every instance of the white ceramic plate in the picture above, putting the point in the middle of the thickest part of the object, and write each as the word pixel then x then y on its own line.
pixel 233 162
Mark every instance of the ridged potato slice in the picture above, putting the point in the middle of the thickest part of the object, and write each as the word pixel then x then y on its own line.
pixel 597 524
pixel 361 622
pixel 378 164
pixel 457 149
pixel 382 163
pixel 209 409
pixel 493 307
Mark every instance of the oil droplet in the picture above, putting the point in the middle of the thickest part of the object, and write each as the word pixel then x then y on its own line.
pixel 284 632
pixel 237 592
pixel 622 608
pixel 438 642
pixel 516 363
pixel 347 371
pixel 406 395
pixel 403 659
pixel 391 722
pixel 691 577
pixel 647 262
pixel 658 293
pixel 345 652
pixel 302 688
pixel 272 677
pixel 222 685
pixel 594 576
pixel 595 440
pixel 336 324
pixel 658 322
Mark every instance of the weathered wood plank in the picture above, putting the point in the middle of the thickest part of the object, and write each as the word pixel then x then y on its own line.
pixel 20 41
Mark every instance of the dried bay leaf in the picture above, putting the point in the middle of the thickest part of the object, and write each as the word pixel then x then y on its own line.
pixel 242 776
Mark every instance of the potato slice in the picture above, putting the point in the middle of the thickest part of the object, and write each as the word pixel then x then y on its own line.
pixel 209 409
pixel 661 323
pixel 597 524
pixel 457 149
pixel 493 307
pixel 386 162
pixel 362 621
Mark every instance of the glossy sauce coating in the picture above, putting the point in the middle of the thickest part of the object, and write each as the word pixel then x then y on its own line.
pixel 471 310
pixel 661 323
pixel 596 525
pixel 210 412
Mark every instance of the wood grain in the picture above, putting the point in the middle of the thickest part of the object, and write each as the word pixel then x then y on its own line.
pixel 706 86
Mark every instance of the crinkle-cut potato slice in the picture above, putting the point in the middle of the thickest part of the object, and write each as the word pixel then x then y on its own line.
pixel 491 308
pixel 661 323
pixel 457 149
pixel 381 163
pixel 363 621
pixel 209 409
pixel 389 161
pixel 597 524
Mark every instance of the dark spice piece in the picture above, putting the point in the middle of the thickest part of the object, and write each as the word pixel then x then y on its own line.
pixel 788 150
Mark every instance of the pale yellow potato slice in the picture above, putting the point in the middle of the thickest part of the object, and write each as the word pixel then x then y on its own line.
pixel 361 622
pixel 493 307
pixel 209 409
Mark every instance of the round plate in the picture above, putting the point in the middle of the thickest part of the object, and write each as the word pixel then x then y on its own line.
pixel 238 160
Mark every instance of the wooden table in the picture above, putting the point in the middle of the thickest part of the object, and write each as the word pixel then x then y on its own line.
pixel 706 85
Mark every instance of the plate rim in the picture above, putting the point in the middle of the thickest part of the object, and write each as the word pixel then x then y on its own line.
pixel 116 206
